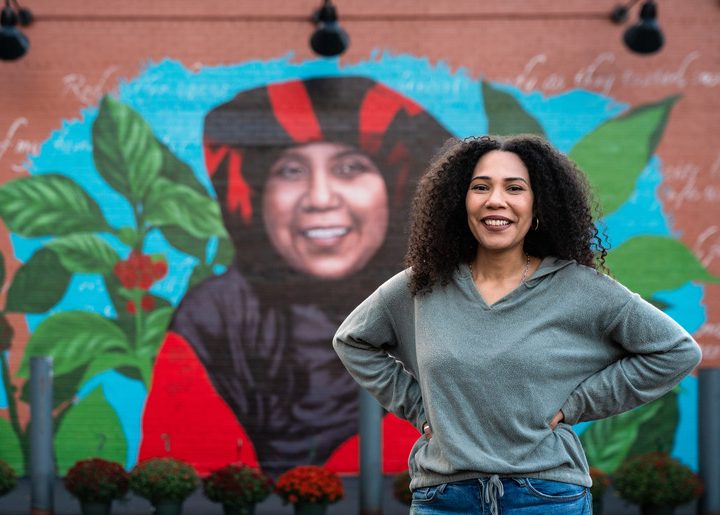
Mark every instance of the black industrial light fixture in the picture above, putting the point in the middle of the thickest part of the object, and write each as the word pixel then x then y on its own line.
pixel 329 38
pixel 645 36
pixel 13 43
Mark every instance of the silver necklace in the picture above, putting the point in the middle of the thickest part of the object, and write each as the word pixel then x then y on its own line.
pixel 522 277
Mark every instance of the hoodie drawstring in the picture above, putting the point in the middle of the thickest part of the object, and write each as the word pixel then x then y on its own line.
pixel 491 490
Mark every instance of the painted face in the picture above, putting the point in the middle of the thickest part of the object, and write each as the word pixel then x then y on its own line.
pixel 325 209
pixel 499 201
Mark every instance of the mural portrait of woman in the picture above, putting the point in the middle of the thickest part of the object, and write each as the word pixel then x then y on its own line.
pixel 314 179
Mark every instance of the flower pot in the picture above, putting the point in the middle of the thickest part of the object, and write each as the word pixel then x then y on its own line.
pixel 657 509
pixel 95 508
pixel 168 507
pixel 248 509
pixel 303 508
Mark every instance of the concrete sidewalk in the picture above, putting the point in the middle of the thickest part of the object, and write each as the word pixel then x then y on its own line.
pixel 17 502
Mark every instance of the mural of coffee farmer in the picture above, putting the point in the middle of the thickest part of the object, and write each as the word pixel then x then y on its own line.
pixel 314 179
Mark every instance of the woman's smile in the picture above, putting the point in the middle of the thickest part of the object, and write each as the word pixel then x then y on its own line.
pixel 495 223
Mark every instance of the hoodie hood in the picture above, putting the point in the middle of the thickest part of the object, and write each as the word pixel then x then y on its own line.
pixel 548 265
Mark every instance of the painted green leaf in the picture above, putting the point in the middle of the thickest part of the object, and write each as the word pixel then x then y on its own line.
pixel 91 429
pixel 126 152
pixel 38 284
pixel 608 441
pixel 73 339
pixel 84 253
pixel 10 447
pixel 113 288
pixel 199 274
pixel 225 252
pixel 49 205
pixel 111 361
pixel 65 386
pixel 658 433
pixel 174 204
pixel 647 264
pixel 178 172
pixel 128 236
pixel 187 243
pixel 614 154
pixel 505 114
pixel 156 324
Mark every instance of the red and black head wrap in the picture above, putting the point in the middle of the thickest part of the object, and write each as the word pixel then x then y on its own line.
pixel 244 136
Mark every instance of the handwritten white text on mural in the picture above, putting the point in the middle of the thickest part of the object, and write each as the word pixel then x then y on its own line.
pixel 602 75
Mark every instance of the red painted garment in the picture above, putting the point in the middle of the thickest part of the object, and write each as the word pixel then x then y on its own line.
pixel 184 417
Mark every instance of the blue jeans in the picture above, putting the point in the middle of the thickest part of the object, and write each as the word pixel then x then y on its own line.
pixel 502 496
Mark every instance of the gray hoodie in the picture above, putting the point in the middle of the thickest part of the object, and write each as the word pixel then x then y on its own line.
pixel 489 379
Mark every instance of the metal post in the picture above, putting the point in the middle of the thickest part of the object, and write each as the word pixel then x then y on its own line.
pixel 709 439
pixel 42 467
pixel 371 478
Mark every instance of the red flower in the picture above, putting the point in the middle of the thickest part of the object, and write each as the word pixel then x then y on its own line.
pixel 96 480
pixel 309 484
pixel 139 271
pixel 160 268
pixel 147 303
pixel 130 306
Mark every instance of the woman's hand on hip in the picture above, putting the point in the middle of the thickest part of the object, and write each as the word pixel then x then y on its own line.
pixel 559 417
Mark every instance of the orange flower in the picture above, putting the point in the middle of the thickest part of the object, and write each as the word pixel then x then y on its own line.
pixel 310 484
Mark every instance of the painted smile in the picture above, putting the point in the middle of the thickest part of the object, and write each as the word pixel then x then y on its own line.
pixel 325 233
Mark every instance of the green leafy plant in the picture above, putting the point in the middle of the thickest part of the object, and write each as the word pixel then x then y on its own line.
pixel 163 479
pixel 401 487
pixel 96 480
pixel 162 196
pixel 309 484
pixel 237 485
pixel 656 478
pixel 8 479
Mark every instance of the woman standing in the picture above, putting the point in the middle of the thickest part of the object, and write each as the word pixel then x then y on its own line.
pixel 502 333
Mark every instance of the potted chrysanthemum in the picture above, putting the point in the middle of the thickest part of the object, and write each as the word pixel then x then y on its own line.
pixel 309 488
pixel 96 483
pixel 238 488
pixel 8 478
pixel 401 487
pixel 165 482
pixel 656 482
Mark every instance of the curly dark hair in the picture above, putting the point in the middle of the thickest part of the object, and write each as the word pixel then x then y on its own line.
pixel 440 238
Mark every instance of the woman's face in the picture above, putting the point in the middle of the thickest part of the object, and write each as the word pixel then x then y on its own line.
pixel 325 209
pixel 499 201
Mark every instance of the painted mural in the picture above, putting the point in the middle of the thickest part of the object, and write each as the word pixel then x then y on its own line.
pixel 190 243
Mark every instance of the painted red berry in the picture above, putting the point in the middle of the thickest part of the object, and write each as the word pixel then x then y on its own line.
pixel 147 303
